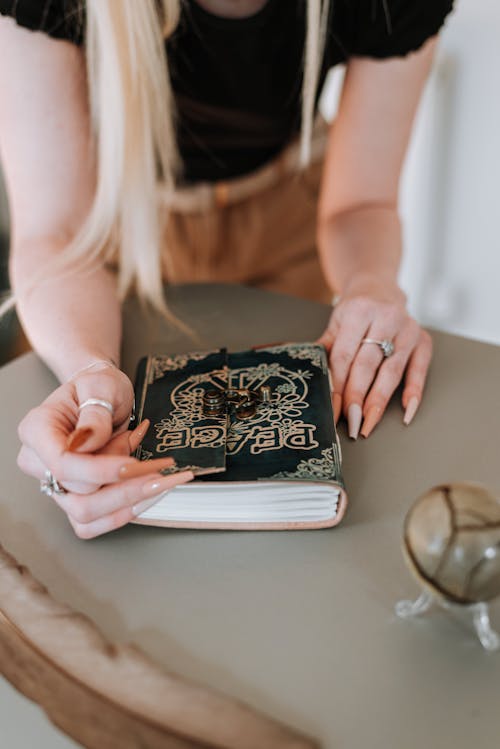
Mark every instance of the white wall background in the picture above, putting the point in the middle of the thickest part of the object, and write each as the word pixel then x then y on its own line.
pixel 450 190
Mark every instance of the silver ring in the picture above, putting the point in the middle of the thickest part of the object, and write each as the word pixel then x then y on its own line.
pixel 97 402
pixel 386 346
pixel 50 485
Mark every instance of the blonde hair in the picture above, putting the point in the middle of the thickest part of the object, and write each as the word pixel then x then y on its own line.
pixel 132 115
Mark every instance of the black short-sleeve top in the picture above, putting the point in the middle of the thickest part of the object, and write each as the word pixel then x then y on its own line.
pixel 237 81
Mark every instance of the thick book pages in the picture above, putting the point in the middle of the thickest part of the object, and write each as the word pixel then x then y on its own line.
pixel 273 463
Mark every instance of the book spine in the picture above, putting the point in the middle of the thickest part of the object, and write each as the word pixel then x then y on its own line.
pixel 140 388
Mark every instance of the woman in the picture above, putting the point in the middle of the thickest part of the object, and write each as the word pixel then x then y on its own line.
pixel 86 135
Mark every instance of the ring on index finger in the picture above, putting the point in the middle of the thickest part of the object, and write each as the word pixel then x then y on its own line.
pixel 97 402
pixel 386 346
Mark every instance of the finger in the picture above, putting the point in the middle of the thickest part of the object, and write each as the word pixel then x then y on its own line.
pixel 109 471
pixel 93 429
pixel 122 444
pixel 370 360
pixel 416 375
pixel 124 426
pixel 345 346
pixel 119 444
pixel 103 469
pixel 109 499
pixel 361 375
pixel 126 442
pixel 29 463
pixel 45 429
pixel 389 376
pixel 326 339
pixel 95 422
pixel 337 406
pixel 363 372
pixel 113 507
pixel 138 434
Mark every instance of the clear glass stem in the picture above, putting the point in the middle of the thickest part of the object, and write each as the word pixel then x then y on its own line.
pixel 489 639
pixel 407 609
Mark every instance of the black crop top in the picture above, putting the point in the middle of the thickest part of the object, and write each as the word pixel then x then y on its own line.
pixel 237 81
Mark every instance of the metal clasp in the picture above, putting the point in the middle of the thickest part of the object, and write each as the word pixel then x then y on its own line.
pixel 242 402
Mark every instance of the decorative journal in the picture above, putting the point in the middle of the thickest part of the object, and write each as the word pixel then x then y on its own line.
pixel 256 428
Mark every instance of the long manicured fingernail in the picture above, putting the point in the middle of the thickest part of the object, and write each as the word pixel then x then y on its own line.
pixel 411 410
pixel 78 438
pixel 141 429
pixel 337 406
pixel 371 420
pixel 354 416
pixel 141 507
pixel 137 435
pixel 132 470
pixel 164 483
pixel 159 487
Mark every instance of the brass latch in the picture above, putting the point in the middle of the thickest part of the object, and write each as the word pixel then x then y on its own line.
pixel 243 403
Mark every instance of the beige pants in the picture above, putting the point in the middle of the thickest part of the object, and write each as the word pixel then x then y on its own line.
pixel 266 238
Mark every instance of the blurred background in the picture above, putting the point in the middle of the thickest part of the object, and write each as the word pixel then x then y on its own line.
pixel 12 340
pixel 450 189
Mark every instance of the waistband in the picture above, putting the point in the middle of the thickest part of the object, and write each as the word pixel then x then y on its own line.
pixel 205 196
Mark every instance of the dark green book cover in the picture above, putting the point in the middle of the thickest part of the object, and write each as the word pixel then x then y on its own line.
pixel 290 437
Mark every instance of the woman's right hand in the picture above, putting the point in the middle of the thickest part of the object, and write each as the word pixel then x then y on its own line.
pixel 88 452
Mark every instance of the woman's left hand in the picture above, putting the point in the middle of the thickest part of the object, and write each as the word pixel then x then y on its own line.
pixel 363 378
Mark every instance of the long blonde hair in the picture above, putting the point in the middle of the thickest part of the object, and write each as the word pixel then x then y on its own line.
pixel 132 115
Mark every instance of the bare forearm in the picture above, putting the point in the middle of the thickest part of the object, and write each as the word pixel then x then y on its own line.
pixel 359 246
pixel 71 320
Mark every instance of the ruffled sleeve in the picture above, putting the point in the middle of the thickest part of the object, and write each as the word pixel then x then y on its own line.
pixel 60 19
pixel 394 28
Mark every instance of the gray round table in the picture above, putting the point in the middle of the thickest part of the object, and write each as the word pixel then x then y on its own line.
pixel 300 625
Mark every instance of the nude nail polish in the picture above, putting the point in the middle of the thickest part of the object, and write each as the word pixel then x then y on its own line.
pixel 354 416
pixel 411 410
pixel 155 486
pixel 164 483
pixel 137 435
pixel 158 487
pixel 141 429
pixel 133 470
pixel 141 507
pixel 371 420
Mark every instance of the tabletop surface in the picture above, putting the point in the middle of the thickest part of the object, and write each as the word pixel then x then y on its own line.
pixel 300 624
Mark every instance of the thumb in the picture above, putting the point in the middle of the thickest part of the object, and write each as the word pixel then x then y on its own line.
pixel 98 403
pixel 93 430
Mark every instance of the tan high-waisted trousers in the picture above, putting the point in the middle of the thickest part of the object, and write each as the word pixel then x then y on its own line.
pixel 258 230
